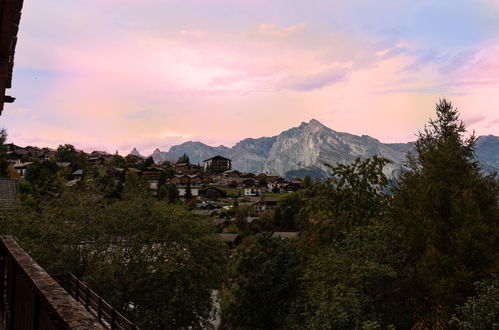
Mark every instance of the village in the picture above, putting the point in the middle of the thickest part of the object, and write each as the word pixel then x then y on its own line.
pixel 212 190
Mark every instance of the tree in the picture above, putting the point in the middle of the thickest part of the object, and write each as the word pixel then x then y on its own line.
pixel 446 211
pixel 184 159
pixel 169 193
pixel 261 280
pixel 156 263
pixel 66 153
pixel 4 163
pixel 348 261
pixel 46 178
pixel 188 191
pixel 148 163
pixel 480 312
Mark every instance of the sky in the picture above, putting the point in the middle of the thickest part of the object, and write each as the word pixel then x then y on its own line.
pixel 117 74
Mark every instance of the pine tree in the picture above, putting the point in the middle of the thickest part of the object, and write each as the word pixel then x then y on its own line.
pixel 446 209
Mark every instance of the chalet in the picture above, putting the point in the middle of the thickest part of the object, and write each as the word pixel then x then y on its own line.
pixel 78 173
pixel 10 13
pixel 265 205
pixel 11 147
pixel 103 154
pixel 252 191
pixel 276 183
pixel 247 175
pixel 194 191
pixel 152 176
pixel 217 164
pixel 183 179
pixel 248 183
pixel 21 168
pixel 96 160
pixel 182 167
pixel 17 154
pixel 232 174
pixel 232 240
pixel 9 193
pixel 291 186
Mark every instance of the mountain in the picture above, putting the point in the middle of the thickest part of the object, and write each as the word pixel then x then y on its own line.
pixel 311 145
pixel 305 149
pixel 135 152
pixel 488 152
pixel 249 155
pixel 196 151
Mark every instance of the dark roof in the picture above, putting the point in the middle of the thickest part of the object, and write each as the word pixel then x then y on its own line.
pixel 228 237
pixel 285 234
pixel 216 157
pixel 10 16
pixel 9 193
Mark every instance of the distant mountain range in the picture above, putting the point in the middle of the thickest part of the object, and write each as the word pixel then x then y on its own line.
pixel 305 149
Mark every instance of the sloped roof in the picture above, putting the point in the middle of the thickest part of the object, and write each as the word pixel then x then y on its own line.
pixel 10 16
pixel 218 157
pixel 285 234
pixel 9 193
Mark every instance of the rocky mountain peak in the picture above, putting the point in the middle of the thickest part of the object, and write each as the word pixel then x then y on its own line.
pixel 135 152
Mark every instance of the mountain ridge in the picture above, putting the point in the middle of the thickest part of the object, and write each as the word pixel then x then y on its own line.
pixel 306 148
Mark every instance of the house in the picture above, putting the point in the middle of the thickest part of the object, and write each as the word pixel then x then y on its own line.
pixel 9 193
pixel 286 234
pixel 233 174
pixel 21 167
pixel 16 155
pixel 276 183
pixel 292 186
pixel 78 173
pixel 249 182
pixel 217 164
pixel 97 153
pixel 232 240
pixel 96 160
pixel 252 191
pixel 194 191
pixel 152 176
pixel 265 205
pixel 181 167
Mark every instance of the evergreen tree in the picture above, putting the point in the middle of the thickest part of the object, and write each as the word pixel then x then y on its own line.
pixel 446 210
pixel 184 159
pixel 188 191
pixel 4 164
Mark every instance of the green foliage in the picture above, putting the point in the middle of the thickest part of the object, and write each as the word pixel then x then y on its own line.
pixel 169 193
pixel 184 159
pixel 188 192
pixel 66 153
pixel 446 210
pixel 46 177
pixel 148 163
pixel 261 281
pixel 154 262
pixel 116 161
pixel 4 163
pixel 480 312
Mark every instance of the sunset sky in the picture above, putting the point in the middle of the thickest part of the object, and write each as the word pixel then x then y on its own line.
pixel 118 74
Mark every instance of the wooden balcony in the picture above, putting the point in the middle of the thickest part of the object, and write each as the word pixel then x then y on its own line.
pixel 31 299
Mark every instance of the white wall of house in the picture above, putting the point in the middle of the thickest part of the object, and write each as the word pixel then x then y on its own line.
pixel 194 192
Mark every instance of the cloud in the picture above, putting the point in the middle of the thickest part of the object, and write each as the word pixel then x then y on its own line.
pixel 273 30
pixel 473 119
pixel 195 33
pixel 316 80
pixel 141 115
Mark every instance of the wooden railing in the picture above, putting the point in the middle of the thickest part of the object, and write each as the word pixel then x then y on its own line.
pixel 31 299
pixel 100 309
